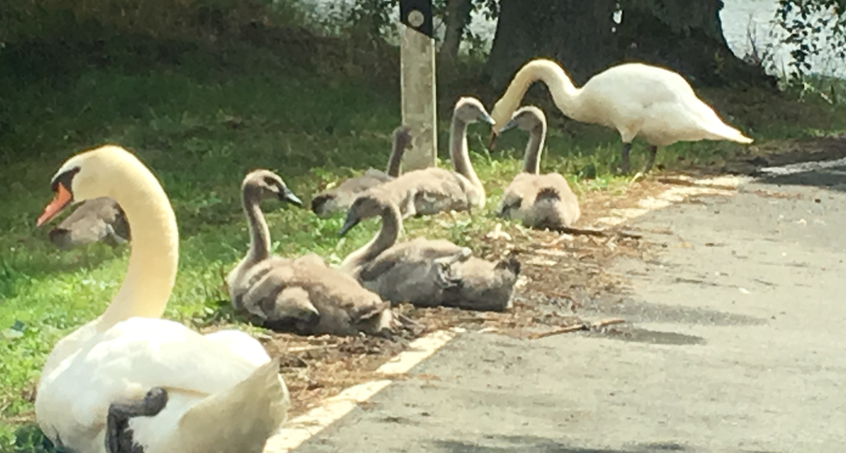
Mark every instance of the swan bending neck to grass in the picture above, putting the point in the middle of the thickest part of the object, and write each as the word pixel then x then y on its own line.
pixel 636 99
pixel 131 381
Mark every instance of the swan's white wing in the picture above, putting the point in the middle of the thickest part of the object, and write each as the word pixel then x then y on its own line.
pixel 129 359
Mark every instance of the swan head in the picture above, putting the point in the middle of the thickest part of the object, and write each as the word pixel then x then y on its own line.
pixel 502 114
pixel 364 207
pixel 86 176
pixel 504 108
pixel 266 184
pixel 402 136
pixel 470 110
pixel 526 118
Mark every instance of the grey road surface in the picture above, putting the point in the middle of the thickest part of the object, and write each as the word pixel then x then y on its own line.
pixel 738 345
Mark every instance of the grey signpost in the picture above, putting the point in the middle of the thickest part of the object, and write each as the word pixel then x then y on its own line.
pixel 419 101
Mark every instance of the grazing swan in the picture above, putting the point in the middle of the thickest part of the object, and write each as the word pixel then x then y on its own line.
pixel 424 272
pixel 431 190
pixel 539 201
pixel 636 99
pixel 340 198
pixel 302 295
pixel 100 219
pixel 131 378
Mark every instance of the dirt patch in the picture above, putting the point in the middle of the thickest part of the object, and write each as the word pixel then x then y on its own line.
pixel 560 274
pixel 599 204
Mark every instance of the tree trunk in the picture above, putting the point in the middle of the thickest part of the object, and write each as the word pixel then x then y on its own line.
pixel 575 33
pixel 457 18
pixel 686 37
pixel 683 35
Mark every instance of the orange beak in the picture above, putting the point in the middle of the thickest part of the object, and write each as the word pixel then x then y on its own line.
pixel 60 201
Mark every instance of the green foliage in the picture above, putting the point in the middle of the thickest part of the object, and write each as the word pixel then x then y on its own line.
pixel 374 18
pixel 812 27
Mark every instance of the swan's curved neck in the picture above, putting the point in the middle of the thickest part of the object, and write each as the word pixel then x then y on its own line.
pixel 154 250
pixel 564 93
pixel 534 149
pixel 259 233
pixel 394 162
pixel 458 151
pixel 387 237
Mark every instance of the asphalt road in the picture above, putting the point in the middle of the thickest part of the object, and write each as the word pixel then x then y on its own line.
pixel 738 346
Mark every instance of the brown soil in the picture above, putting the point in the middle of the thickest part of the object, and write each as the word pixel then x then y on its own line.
pixel 559 273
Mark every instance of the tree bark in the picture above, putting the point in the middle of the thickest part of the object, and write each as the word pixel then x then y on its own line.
pixel 457 18
pixel 576 33
pixel 686 37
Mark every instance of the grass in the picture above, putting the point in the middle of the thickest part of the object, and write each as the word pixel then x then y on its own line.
pixel 201 123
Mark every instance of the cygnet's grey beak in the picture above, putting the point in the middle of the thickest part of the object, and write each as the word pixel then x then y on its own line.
pixel 286 195
pixel 485 118
pixel 351 221
pixel 510 124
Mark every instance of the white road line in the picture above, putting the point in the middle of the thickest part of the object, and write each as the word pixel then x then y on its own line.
pixel 302 428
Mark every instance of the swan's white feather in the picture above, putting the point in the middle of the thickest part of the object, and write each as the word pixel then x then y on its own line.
pixel 132 357
pixel 636 99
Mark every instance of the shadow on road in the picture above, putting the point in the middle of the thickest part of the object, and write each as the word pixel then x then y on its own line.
pixel 641 311
pixel 826 175
pixel 544 445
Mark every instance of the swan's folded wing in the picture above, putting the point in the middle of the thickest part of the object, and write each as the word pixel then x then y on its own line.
pixel 135 356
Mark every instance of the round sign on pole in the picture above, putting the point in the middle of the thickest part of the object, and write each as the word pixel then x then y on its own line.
pixel 417 14
pixel 415 18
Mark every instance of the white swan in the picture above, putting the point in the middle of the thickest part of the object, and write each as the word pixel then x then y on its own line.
pixel 214 393
pixel 636 99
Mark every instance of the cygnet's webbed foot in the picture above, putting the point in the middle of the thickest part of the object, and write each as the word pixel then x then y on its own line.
pixel 444 277
pixel 443 268
pixel 110 237
pixel 118 437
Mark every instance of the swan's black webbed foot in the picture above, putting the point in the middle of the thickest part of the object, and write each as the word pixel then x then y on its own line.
pixel 624 158
pixel 118 436
pixel 650 160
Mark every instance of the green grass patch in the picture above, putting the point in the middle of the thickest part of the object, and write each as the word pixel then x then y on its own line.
pixel 201 124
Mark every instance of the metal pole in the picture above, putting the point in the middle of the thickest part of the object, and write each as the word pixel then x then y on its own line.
pixel 419 101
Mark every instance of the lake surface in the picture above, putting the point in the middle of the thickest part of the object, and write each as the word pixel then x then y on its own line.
pixel 741 20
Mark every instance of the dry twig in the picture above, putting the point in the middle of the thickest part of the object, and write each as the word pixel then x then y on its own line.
pixel 596 232
pixel 575 328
